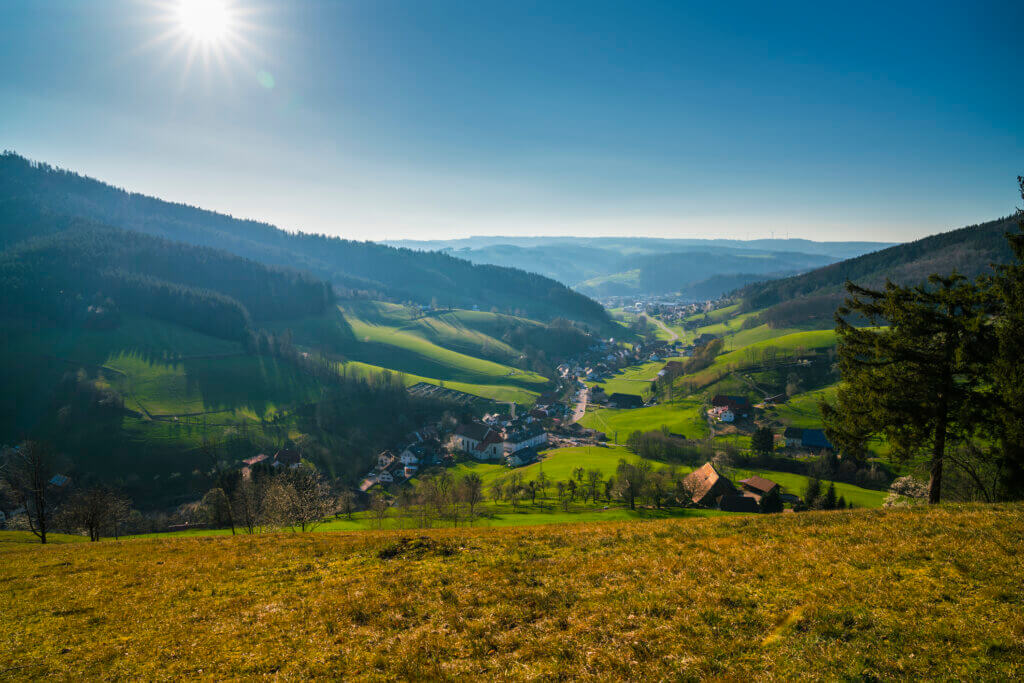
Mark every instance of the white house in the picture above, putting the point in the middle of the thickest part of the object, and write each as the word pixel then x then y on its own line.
pixel 384 459
pixel 531 435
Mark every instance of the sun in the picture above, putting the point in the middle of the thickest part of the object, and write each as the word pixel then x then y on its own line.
pixel 205 21
pixel 212 39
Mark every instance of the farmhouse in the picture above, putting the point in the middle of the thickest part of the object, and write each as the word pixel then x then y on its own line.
pixel 412 455
pixel 794 436
pixel 618 400
pixel 757 487
pixel 815 439
pixel 739 405
pixel 706 486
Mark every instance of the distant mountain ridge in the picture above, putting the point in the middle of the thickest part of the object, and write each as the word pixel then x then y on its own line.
pixel 29 189
pixel 623 266
pixel 649 244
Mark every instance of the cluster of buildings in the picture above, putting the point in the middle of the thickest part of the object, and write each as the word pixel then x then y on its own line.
pixel 288 458
pixel 708 488
pixel 669 308
pixel 501 438
pixel 603 360
pixel 728 408
pixel 419 449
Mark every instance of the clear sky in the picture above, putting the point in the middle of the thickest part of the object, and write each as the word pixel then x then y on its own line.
pixel 377 119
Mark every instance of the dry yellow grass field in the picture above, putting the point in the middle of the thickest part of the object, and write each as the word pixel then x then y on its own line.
pixel 924 593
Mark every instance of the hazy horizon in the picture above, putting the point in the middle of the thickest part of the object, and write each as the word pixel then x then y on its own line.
pixel 439 121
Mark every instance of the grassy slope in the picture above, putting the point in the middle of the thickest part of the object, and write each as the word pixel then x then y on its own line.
pixel 909 594
pixel 166 369
pixel 626 278
pixel 388 337
pixel 635 379
pixel 497 392
pixel 802 410
pixel 681 417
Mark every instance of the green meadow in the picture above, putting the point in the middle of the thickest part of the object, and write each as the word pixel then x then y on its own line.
pixel 408 349
pixel 681 417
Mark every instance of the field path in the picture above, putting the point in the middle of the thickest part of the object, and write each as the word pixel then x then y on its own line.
pixel 669 332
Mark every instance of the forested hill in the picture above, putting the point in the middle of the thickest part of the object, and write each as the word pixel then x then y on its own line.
pixel 970 251
pixel 28 189
pixel 92 273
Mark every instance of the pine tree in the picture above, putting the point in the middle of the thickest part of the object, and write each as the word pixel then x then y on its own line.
pixel 763 441
pixel 828 501
pixel 1007 429
pixel 916 374
pixel 813 492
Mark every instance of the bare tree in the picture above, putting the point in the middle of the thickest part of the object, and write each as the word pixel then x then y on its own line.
pixel 7 499
pixel 379 505
pixel 28 470
pixel 471 491
pixel 278 504
pixel 222 477
pixel 313 501
pixel 593 483
pixel 542 483
pixel 497 490
pixel 120 513
pixel 218 509
pixel 247 503
pixel 347 503
pixel 89 510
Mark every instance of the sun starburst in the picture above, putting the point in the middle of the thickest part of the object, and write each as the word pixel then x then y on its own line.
pixel 205 35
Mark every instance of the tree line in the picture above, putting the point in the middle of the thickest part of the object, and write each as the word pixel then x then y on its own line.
pixel 261 498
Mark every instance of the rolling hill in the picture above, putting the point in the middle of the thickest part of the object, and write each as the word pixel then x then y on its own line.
pixel 126 351
pixel 37 199
pixel 814 296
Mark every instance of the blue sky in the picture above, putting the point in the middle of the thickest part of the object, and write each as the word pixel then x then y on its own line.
pixel 377 119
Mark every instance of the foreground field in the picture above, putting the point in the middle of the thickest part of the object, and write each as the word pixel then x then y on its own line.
pixel 928 593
